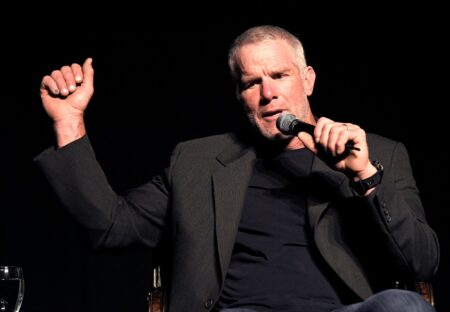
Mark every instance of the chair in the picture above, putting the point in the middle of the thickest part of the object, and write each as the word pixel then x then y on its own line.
pixel 425 289
pixel 157 297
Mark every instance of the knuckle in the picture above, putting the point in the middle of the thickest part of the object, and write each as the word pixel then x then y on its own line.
pixel 334 130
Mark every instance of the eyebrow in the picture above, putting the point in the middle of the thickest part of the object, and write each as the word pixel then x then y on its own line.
pixel 250 77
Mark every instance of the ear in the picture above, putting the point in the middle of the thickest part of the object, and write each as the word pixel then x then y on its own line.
pixel 310 79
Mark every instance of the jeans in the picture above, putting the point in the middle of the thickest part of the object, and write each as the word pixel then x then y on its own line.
pixel 391 300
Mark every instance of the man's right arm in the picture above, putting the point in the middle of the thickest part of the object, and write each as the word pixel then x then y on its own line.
pixel 77 178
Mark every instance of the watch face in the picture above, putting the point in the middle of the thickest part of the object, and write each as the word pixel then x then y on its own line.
pixel 377 165
pixel 362 186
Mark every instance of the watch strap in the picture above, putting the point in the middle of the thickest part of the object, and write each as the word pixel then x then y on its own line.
pixel 362 186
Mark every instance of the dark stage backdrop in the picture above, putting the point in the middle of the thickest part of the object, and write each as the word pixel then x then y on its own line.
pixel 156 88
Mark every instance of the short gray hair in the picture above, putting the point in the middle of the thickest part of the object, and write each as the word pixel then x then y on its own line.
pixel 264 33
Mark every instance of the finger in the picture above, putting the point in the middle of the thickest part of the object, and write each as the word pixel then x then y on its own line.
pixel 77 72
pixel 48 85
pixel 356 135
pixel 341 139
pixel 338 137
pixel 88 72
pixel 325 136
pixel 319 128
pixel 69 78
pixel 58 77
pixel 334 131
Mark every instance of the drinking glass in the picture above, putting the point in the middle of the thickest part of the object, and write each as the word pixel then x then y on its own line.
pixel 12 288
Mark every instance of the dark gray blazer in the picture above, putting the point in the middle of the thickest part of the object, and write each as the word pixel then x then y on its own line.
pixel 368 242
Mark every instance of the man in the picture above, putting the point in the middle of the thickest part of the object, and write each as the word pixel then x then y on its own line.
pixel 265 221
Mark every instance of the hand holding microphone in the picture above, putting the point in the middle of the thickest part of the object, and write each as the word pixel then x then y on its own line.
pixel 332 136
pixel 289 124
pixel 342 146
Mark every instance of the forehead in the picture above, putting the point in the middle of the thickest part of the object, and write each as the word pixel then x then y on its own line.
pixel 269 54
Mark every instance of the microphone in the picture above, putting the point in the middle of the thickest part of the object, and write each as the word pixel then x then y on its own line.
pixel 289 124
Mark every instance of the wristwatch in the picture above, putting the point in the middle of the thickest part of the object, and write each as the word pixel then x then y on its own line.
pixel 362 186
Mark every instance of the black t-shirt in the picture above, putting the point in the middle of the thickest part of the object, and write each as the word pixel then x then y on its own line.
pixel 275 265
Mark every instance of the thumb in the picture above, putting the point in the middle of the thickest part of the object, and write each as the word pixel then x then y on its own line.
pixel 88 72
pixel 308 141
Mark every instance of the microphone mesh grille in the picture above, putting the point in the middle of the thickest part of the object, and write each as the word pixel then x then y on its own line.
pixel 284 123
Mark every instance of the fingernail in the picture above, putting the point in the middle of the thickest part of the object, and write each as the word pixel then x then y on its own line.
pixel 72 88
pixel 78 79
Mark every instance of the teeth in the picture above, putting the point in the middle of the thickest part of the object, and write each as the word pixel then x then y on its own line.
pixel 272 113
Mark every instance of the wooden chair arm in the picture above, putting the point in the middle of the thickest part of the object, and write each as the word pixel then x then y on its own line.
pixel 157 297
pixel 425 289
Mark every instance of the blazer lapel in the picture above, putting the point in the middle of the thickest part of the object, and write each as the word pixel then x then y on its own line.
pixel 230 184
pixel 324 220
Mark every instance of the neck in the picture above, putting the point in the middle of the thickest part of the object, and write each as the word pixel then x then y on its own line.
pixel 266 148
pixel 294 144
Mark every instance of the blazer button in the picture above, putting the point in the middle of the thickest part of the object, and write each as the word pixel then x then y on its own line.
pixel 208 303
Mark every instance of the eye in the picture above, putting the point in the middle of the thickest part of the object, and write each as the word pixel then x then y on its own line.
pixel 278 75
pixel 248 84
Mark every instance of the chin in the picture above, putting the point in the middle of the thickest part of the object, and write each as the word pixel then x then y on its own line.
pixel 281 137
pixel 274 135
pixel 268 130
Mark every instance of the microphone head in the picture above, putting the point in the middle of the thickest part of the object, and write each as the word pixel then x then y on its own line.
pixel 284 123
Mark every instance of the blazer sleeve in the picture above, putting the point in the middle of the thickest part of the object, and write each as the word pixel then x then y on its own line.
pixel 140 216
pixel 403 235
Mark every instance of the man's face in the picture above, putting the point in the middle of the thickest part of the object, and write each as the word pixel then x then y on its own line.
pixel 272 83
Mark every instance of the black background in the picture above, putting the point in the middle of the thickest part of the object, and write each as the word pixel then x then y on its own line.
pixel 157 86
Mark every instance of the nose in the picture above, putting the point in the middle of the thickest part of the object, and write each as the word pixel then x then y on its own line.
pixel 268 90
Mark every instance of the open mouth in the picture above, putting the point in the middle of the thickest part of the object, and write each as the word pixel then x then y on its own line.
pixel 272 114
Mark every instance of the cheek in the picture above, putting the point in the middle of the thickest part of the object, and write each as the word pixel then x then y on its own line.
pixel 250 105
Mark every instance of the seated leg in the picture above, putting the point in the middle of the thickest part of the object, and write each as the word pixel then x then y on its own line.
pixel 391 300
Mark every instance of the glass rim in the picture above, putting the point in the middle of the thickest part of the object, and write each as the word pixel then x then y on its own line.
pixel 9 272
